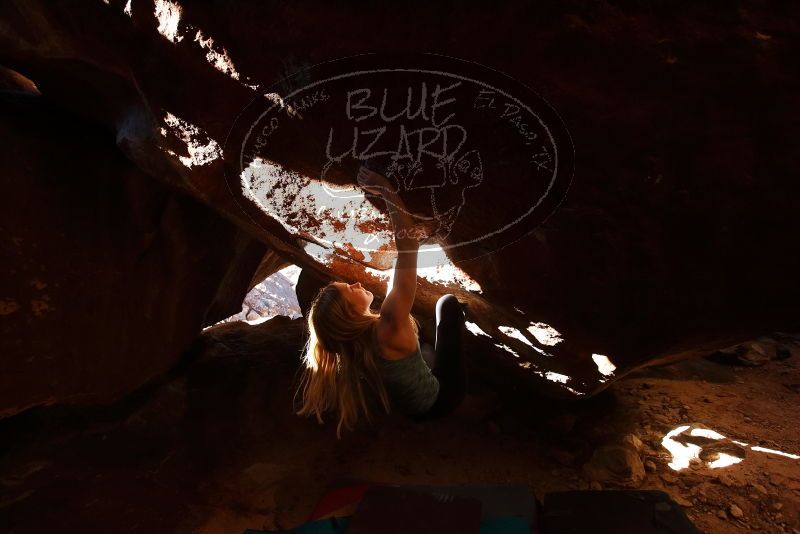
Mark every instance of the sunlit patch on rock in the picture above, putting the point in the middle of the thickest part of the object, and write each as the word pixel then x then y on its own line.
pixel 604 365
pixel 545 334
pixel 507 349
pixel 302 205
pixel 201 148
pixel 440 270
pixel 217 56
pixel 510 331
pixel 168 15
pixel 561 379
pixel 475 329
pixel 556 377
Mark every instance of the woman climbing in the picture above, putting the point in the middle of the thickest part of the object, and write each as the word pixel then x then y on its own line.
pixel 355 356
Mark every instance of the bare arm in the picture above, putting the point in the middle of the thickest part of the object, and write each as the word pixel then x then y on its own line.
pixel 398 303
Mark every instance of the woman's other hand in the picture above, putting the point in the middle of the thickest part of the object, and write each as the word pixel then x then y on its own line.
pixel 374 183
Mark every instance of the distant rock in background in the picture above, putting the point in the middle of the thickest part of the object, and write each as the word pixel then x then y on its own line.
pixel 616 464
pixel 777 346
pixel 274 296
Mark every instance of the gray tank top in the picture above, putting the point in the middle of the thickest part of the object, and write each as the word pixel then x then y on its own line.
pixel 411 386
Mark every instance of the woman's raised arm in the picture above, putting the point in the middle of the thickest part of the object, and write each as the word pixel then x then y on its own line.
pixel 398 303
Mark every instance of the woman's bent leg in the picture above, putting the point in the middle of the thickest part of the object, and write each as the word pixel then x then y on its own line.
pixel 449 366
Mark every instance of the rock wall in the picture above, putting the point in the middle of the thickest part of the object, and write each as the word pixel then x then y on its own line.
pixel 108 275
pixel 677 236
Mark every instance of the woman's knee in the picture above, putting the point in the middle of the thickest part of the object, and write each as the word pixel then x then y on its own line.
pixel 448 306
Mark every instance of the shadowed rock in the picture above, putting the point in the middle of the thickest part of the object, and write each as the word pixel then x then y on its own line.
pixel 677 237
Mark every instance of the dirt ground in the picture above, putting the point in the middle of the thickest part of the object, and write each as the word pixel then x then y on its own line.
pixel 215 448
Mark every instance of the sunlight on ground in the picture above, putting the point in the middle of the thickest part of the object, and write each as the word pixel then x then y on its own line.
pixel 684 453
pixel 706 433
pixel 773 451
pixel 724 460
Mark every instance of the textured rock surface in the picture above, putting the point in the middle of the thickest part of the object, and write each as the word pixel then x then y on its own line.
pixel 678 235
pixel 107 274
pixel 620 464
pixel 216 447
pixel 272 296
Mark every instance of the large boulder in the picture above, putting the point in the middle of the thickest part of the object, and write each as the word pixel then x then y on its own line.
pixel 108 275
pixel 677 235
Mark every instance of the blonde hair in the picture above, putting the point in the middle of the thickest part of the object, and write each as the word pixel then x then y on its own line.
pixel 340 361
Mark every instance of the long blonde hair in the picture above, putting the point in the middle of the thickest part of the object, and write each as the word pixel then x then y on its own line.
pixel 340 361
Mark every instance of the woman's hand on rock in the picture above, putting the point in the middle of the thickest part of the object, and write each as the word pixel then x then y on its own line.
pixel 374 183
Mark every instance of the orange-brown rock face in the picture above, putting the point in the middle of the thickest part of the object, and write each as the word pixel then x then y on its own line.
pixel 679 132
pixel 108 275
